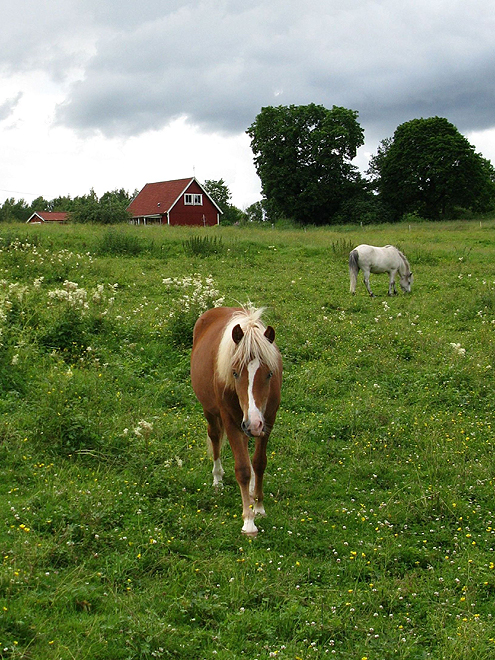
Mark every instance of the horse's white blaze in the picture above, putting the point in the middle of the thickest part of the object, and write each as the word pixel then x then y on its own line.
pixel 255 416
pixel 217 472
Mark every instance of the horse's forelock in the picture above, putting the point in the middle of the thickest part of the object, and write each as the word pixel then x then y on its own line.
pixel 253 345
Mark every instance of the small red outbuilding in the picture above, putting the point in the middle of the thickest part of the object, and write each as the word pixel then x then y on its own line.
pixel 178 202
pixel 42 217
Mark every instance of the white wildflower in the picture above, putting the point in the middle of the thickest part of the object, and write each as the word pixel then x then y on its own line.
pixel 458 349
pixel 143 429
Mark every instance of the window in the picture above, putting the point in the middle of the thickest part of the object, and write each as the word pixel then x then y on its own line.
pixel 193 200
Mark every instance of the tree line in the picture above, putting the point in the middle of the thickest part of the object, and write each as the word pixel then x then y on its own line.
pixel 110 208
pixel 303 156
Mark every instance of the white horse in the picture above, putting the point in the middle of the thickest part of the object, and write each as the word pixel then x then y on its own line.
pixel 387 259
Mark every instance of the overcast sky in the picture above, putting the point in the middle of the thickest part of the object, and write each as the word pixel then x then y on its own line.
pixel 109 94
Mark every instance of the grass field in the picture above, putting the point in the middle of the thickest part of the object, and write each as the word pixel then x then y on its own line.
pixel 380 530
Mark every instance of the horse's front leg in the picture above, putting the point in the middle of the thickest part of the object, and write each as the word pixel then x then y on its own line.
pixel 259 466
pixel 239 445
pixel 392 291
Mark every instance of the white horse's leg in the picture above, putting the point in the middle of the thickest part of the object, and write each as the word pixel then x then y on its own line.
pixel 366 277
pixel 392 291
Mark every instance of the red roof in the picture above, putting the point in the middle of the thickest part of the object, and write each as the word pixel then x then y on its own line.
pixel 47 216
pixel 158 198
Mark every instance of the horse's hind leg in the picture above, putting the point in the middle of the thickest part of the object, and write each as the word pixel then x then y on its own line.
pixel 366 277
pixel 215 436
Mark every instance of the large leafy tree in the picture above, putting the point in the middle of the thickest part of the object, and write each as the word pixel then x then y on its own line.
pixel 429 168
pixel 303 157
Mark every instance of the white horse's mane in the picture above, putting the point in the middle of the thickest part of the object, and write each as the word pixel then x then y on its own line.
pixel 406 262
pixel 254 345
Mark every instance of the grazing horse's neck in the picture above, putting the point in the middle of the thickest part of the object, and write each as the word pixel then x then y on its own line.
pixel 404 264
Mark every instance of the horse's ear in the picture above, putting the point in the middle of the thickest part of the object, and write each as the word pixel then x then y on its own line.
pixel 270 334
pixel 237 334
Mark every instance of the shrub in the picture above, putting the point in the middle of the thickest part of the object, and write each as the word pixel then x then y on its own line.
pixel 342 246
pixel 119 243
pixel 202 246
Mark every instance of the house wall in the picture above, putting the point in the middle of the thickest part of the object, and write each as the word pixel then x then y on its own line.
pixel 182 214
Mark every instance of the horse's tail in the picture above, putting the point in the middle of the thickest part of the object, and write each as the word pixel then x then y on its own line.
pixel 353 269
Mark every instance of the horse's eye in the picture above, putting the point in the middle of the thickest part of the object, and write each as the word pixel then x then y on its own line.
pixel 270 374
pixel 235 374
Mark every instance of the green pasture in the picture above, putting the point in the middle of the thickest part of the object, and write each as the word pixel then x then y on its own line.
pixel 379 540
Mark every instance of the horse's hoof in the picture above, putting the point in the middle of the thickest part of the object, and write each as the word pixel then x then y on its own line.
pixel 250 535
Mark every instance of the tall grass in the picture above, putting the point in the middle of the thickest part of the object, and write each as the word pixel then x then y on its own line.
pixel 379 539
pixel 202 246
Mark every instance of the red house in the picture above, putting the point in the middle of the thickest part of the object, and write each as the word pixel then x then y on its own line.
pixel 42 217
pixel 179 202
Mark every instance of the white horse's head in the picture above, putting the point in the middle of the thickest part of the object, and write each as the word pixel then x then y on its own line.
pixel 406 281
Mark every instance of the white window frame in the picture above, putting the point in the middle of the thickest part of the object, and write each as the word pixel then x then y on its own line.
pixel 193 199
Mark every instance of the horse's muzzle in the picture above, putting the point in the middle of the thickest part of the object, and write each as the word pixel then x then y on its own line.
pixel 250 432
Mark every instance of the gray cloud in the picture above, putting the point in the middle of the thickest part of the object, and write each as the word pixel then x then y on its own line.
pixel 218 62
pixel 8 106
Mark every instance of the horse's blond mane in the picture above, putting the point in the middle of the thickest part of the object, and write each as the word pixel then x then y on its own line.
pixel 253 345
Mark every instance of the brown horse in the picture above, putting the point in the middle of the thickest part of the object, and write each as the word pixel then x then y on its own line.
pixel 236 373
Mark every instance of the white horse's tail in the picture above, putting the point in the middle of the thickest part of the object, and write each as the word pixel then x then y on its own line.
pixel 353 269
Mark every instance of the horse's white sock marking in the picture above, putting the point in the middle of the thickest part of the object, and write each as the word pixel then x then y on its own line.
pixel 217 472
pixel 249 527
pixel 259 509
pixel 252 482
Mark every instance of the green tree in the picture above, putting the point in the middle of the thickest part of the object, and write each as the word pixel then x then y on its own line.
pixel 39 204
pixel 255 212
pixel 110 209
pixel 303 157
pixel 430 169
pixel 61 204
pixel 113 207
pixel 12 211
pixel 221 195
